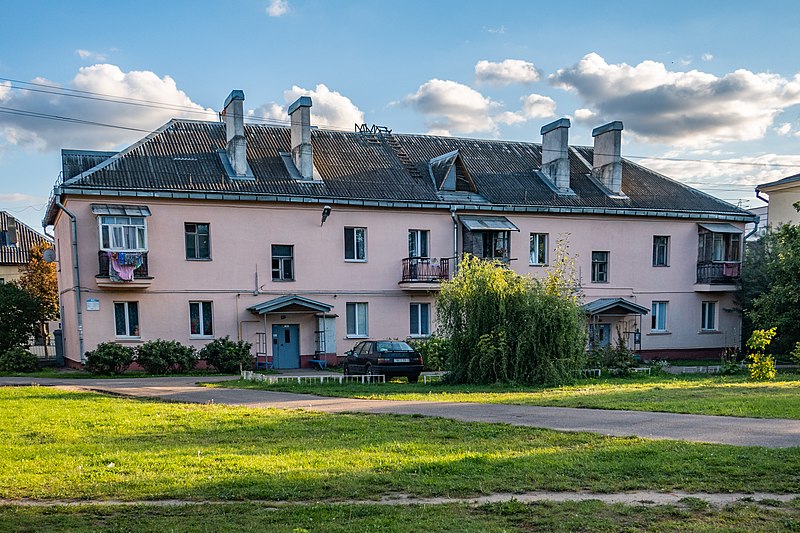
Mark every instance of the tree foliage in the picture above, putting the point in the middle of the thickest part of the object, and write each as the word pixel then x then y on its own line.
pixel 39 280
pixel 504 327
pixel 770 289
pixel 19 314
pixel 761 367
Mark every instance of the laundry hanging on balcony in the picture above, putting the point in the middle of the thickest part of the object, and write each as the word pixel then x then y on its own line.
pixel 730 270
pixel 123 264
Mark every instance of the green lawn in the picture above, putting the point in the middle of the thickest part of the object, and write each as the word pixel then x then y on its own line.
pixel 696 394
pixel 60 444
pixel 502 517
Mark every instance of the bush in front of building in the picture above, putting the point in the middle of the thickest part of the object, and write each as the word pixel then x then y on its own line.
pixel 18 360
pixel 761 367
pixel 19 314
pixel 109 358
pixel 166 357
pixel 434 351
pixel 227 356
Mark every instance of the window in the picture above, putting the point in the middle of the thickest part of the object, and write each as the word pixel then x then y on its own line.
pixel 420 320
pixel 355 244
pixel 496 244
pixel 201 321
pixel 356 319
pixel 4 238
pixel 600 267
pixel 718 247
pixel 126 319
pixel 659 316
pixel 538 248
pixel 123 233
pixel 708 322
pixel 282 262
pixel 198 242
pixel 417 243
pixel 660 251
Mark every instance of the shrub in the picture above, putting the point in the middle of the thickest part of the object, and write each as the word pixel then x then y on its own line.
pixel 795 354
pixel 761 367
pixel 19 314
pixel 166 357
pixel 227 356
pixel 18 360
pixel 434 351
pixel 618 359
pixel 109 358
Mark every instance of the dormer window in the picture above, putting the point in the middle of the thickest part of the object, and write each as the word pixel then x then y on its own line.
pixel 449 173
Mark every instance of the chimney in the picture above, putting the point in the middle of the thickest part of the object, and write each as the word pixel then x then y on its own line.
pixel 302 155
pixel 607 164
pixel 234 128
pixel 555 153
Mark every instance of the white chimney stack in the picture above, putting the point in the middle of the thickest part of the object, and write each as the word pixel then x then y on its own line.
pixel 555 153
pixel 607 163
pixel 234 129
pixel 302 154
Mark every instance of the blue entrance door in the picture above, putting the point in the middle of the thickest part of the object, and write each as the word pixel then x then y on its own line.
pixel 600 335
pixel 286 345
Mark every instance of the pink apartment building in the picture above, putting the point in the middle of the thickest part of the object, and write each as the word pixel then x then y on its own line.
pixel 303 241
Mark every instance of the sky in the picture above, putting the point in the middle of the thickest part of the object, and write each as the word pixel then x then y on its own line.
pixel 708 92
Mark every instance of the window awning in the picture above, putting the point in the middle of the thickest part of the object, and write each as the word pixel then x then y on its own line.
pixel 476 223
pixel 121 210
pixel 614 306
pixel 720 227
pixel 290 304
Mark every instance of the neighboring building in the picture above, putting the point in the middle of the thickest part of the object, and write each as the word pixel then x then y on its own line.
pixel 16 242
pixel 783 194
pixel 304 241
pixel 756 229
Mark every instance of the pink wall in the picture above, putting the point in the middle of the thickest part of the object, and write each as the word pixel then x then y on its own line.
pixel 241 235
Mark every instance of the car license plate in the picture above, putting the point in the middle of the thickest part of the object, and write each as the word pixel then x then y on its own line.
pixel 402 360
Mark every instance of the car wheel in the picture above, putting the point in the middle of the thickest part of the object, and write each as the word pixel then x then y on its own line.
pixel 413 379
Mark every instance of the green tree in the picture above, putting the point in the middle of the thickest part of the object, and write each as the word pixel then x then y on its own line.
pixel 19 315
pixel 770 289
pixel 504 327
pixel 39 280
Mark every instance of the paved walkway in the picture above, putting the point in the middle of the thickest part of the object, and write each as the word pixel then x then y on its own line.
pixel 771 433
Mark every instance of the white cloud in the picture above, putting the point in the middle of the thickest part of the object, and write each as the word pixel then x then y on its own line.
pixel 707 57
pixel 46 134
pixel 499 31
pixel 506 72
pixel 533 106
pixel 5 90
pixel 21 197
pixel 277 8
pixel 584 115
pixel 453 107
pixel 329 108
pixel 93 56
pixel 681 108
pixel 783 129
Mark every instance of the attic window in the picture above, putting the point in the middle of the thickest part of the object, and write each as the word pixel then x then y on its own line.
pixel 449 173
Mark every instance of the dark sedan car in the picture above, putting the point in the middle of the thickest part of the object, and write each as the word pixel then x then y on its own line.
pixel 390 358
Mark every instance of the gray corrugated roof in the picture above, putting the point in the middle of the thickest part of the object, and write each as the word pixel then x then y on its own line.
pixel 783 181
pixel 26 239
pixel 182 156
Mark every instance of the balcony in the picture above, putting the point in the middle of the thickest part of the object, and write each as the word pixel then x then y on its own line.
pixel 717 277
pixel 141 275
pixel 425 274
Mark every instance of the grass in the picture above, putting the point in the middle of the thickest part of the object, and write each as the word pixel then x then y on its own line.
pixel 696 394
pixel 68 373
pixel 510 516
pixel 61 444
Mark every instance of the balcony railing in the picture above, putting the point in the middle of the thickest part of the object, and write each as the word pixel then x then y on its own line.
pixel 719 273
pixel 104 264
pixel 426 270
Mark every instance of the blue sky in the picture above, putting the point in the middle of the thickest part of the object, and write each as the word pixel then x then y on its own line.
pixel 693 82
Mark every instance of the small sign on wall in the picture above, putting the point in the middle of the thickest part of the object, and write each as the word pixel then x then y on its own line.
pixel 92 304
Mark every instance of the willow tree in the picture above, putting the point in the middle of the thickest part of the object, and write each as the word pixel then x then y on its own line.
pixel 504 327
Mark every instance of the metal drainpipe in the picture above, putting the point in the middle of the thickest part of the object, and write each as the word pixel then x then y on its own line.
pixel 755 228
pixel 78 303
pixel 455 238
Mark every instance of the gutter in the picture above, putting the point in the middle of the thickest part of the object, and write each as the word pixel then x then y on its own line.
pixel 76 269
pixel 755 226
pixel 455 238
pixel 758 195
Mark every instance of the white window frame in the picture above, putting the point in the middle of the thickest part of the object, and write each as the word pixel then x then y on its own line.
pixel 659 310
pixel 704 316
pixel 359 308
pixel 126 311
pixel 355 258
pixel 415 239
pixel 538 248
pixel 657 247
pixel 282 259
pixel 202 334
pixel 110 223
pixel 424 326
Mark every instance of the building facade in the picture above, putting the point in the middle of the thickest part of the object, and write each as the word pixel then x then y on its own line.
pixel 304 241
pixel 16 241
pixel 782 197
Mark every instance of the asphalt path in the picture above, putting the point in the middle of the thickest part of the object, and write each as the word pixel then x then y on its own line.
pixel 766 432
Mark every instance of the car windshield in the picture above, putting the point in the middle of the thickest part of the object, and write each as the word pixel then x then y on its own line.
pixel 393 346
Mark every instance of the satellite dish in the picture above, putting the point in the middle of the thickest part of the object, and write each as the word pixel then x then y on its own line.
pixel 49 255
